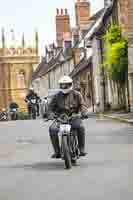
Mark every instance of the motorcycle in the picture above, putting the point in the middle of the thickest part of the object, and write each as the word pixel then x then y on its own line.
pixel 3 116
pixel 33 104
pixel 70 152
pixel 13 114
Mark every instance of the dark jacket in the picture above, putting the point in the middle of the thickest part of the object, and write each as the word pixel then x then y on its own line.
pixel 33 96
pixel 68 103
pixel 13 105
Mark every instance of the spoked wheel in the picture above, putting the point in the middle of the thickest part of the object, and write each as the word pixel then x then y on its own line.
pixel 74 162
pixel 67 157
pixel 74 149
pixel 33 113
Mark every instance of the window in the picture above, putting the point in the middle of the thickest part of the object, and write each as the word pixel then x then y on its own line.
pixel 21 82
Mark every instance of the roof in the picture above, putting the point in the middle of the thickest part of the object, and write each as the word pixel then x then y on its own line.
pixel 93 19
pixel 41 67
pixel 44 67
pixel 97 15
pixel 100 23
pixel 67 55
pixel 80 67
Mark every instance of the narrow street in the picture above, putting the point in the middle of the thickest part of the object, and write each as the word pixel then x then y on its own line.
pixel 28 172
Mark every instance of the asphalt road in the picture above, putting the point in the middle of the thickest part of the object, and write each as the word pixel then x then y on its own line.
pixel 28 173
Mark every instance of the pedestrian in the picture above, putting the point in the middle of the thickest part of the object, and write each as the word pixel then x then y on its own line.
pixel 44 107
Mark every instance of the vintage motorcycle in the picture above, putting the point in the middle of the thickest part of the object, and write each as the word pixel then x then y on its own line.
pixel 70 152
pixel 3 115
pixel 33 104
pixel 13 113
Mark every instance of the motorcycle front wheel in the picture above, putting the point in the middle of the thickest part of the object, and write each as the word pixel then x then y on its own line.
pixel 66 152
pixel 34 114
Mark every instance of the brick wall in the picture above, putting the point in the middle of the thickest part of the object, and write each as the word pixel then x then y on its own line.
pixel 125 8
pixel 82 9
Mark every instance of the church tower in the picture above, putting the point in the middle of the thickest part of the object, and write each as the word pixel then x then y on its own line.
pixel 16 67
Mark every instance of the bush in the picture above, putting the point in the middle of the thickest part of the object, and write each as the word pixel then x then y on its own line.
pixel 23 116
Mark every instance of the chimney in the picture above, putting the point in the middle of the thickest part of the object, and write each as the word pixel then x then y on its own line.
pixel 36 41
pixel 62 25
pixel 82 9
pixel 66 12
pixel 57 11
pixel 62 11
pixel 3 38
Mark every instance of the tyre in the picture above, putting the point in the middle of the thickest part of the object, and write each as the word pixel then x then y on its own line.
pixel 74 162
pixel 15 116
pixel 33 113
pixel 12 116
pixel 74 153
pixel 67 157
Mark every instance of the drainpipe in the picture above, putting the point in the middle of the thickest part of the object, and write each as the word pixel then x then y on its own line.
pixel 92 88
pixel 128 94
pixel 102 77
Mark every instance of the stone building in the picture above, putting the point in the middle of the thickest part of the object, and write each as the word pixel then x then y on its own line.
pixel 69 57
pixel 82 78
pixel 115 12
pixel 16 66
pixel 125 13
pixel 48 73
pixel 85 74
pixel 122 14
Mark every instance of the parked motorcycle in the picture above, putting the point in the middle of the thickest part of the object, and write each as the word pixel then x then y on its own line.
pixel 3 115
pixel 13 113
pixel 68 141
pixel 33 104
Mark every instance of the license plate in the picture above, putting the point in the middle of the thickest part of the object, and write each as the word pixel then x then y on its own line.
pixel 65 128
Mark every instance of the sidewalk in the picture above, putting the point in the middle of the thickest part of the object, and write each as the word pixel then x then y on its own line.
pixel 121 117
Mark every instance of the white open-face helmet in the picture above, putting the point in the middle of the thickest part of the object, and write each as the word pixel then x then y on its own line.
pixel 66 84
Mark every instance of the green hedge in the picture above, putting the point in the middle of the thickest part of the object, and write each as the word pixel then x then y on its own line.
pixel 23 116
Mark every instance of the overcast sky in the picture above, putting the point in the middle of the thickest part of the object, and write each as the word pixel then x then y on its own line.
pixel 28 15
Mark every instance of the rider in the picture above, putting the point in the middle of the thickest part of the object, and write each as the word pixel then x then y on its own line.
pixel 13 105
pixel 44 107
pixel 68 101
pixel 32 95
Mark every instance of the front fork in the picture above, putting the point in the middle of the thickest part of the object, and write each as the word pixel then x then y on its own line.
pixel 61 142
pixel 72 142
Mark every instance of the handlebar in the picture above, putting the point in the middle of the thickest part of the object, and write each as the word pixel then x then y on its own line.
pixel 64 118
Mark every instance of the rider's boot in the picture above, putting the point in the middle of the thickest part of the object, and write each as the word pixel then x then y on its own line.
pixel 81 141
pixel 56 146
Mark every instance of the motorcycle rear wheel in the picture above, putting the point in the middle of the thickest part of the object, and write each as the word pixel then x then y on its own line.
pixel 33 114
pixel 74 162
